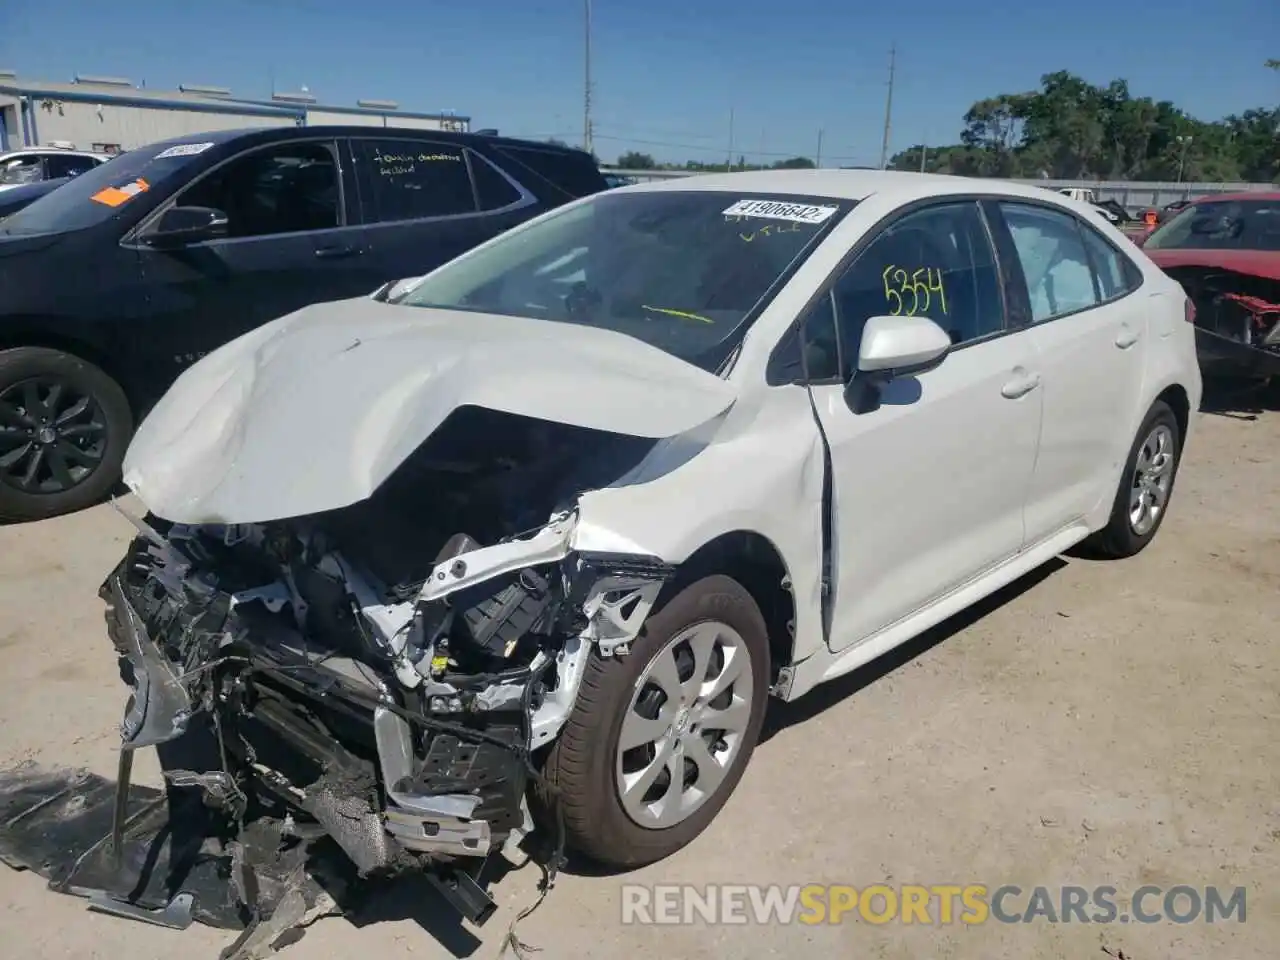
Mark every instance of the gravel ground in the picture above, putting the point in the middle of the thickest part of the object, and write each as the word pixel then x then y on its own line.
pixel 1095 724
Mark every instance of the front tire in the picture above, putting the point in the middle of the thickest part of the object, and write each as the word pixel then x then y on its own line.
pixel 1146 486
pixel 64 428
pixel 658 739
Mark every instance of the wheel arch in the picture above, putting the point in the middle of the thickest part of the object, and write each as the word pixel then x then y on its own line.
pixel 1175 395
pixel 754 561
pixel 32 332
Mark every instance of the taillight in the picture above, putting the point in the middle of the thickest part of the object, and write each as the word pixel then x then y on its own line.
pixel 1189 310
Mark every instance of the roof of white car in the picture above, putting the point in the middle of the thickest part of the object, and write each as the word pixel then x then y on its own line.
pixel 53 151
pixel 845 184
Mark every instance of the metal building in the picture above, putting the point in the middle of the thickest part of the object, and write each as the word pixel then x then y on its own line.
pixel 109 114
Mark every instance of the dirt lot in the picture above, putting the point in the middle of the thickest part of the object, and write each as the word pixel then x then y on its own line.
pixel 1100 724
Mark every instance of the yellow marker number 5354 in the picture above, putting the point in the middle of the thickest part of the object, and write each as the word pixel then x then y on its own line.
pixel 921 284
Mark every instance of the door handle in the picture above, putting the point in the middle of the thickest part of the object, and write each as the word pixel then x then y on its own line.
pixel 1020 386
pixel 1126 338
pixel 335 253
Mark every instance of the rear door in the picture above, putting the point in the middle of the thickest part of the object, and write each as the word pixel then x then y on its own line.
pixel 424 202
pixel 1090 338
pixel 290 244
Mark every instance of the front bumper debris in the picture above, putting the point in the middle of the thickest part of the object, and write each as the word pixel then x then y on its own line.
pixel 322 731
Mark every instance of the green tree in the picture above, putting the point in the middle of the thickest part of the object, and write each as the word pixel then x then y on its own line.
pixel 795 163
pixel 1071 129
pixel 631 160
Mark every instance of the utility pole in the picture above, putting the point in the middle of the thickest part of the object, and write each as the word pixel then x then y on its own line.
pixel 888 107
pixel 586 87
pixel 728 163
pixel 1185 143
pixel 924 153
pixel 818 161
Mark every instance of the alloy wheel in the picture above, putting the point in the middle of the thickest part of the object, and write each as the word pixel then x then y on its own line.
pixel 685 725
pixel 52 435
pixel 1152 479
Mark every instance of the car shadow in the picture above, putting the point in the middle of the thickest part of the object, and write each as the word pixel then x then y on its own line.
pixel 411 897
pixel 783 715
pixel 1240 400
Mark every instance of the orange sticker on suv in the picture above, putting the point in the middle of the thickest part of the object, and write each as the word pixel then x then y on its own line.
pixel 115 196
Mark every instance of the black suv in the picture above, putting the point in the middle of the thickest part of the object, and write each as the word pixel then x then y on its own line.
pixel 113 283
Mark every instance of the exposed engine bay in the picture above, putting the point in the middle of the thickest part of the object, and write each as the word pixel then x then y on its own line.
pixel 386 675
pixel 1237 317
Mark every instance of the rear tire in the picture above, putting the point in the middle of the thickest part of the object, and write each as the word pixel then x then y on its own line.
pixel 713 623
pixel 1147 481
pixel 64 429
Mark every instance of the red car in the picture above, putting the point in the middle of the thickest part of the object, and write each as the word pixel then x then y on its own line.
pixel 1225 251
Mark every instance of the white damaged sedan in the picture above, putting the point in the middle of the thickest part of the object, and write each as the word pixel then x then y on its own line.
pixel 534 538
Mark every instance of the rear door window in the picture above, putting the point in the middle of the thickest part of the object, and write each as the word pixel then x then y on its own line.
pixel 412 179
pixel 1051 251
pixel 571 174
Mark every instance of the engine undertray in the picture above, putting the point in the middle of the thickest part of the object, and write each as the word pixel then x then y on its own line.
pixel 58 824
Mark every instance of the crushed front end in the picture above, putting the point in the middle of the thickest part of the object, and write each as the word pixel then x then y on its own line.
pixel 1237 317
pixel 396 707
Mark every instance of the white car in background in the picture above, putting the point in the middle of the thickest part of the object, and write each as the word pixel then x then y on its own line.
pixel 578 502
pixel 32 165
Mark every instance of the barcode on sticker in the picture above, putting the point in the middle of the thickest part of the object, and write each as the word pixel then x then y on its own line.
pixel 778 210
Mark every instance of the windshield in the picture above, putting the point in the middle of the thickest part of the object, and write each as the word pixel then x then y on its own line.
pixel 98 194
pixel 681 271
pixel 1221 225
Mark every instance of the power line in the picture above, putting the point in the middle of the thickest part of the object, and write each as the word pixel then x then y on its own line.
pixel 659 131
pixel 788 154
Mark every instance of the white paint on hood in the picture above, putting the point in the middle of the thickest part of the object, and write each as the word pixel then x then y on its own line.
pixel 315 410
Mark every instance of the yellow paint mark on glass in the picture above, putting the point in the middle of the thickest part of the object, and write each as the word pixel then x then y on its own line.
pixel 921 284
pixel 682 314
pixel 768 230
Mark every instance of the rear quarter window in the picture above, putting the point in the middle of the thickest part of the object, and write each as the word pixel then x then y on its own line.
pixel 571 173
pixel 493 189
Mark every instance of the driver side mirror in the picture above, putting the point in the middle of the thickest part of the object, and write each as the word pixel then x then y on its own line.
pixel 179 226
pixel 893 348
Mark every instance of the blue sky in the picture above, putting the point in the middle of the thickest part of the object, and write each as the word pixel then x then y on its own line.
pixel 667 73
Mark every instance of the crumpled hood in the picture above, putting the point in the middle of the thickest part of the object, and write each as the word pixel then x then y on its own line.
pixel 314 411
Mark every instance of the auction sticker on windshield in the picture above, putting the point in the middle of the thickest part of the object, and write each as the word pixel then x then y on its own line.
pixel 183 150
pixel 777 210
pixel 115 196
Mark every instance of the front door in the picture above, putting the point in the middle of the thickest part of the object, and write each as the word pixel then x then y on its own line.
pixel 928 489
pixel 1091 337
pixel 288 245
